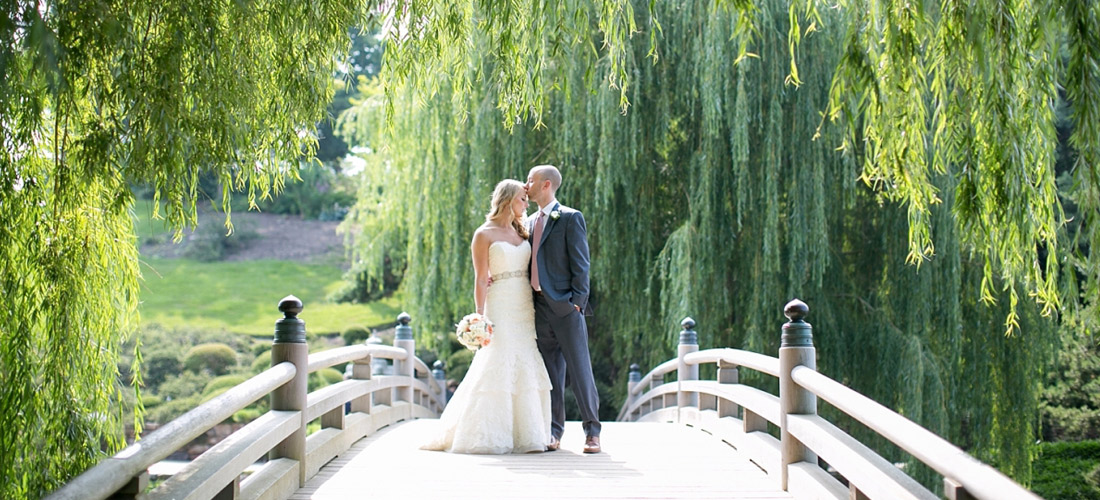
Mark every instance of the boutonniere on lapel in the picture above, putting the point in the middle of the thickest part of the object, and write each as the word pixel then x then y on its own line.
pixel 555 215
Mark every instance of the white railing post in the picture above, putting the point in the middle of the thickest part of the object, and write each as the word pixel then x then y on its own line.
pixel 290 345
pixel 727 374
pixel 440 380
pixel 377 365
pixel 632 380
pixel 403 338
pixel 689 343
pixel 795 349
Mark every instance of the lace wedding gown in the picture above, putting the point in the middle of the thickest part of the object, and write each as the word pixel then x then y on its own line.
pixel 503 403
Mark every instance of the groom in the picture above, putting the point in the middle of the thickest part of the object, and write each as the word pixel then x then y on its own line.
pixel 559 278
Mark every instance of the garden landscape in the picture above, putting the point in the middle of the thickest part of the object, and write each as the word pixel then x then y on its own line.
pixel 924 175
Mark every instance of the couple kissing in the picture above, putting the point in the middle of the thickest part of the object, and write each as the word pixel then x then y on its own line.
pixel 531 281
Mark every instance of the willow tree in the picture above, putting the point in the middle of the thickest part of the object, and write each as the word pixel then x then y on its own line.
pixel 96 95
pixel 905 190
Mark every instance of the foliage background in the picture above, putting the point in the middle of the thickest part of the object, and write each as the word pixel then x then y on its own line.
pixel 715 171
pixel 721 194
pixel 97 96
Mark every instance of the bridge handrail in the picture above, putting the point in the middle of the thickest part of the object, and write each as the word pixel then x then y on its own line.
pixel 332 357
pixel 804 434
pixel 747 359
pixel 107 477
pixel 657 373
pixel 945 458
pixel 348 411
pixel 437 386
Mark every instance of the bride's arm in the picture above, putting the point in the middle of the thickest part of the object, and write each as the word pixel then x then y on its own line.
pixel 479 248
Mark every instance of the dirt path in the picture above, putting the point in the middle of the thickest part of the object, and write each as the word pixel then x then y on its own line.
pixel 263 236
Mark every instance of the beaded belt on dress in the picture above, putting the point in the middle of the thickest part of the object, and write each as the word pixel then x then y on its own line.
pixel 509 274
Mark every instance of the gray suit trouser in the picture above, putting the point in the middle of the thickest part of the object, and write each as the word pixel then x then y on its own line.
pixel 563 342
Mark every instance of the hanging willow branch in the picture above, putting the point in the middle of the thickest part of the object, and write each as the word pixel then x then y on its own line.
pixel 978 81
pixel 721 194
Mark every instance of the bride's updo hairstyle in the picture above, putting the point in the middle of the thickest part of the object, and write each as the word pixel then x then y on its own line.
pixel 506 191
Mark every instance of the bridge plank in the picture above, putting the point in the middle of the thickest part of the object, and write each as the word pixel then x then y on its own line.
pixel 640 460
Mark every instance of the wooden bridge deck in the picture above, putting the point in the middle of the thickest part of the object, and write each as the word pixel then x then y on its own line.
pixel 640 460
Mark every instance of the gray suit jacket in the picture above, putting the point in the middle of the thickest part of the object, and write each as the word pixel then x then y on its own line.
pixel 563 259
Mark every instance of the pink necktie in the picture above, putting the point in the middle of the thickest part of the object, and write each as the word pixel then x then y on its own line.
pixel 537 238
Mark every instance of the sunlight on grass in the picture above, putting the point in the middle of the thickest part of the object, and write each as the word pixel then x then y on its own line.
pixel 242 297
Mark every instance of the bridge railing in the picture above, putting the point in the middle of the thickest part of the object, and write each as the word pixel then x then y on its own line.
pixel 348 411
pixel 740 415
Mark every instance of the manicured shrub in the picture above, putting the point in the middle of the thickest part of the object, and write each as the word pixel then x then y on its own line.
pixel 215 358
pixel 246 415
pixel 458 363
pixel 259 348
pixel 1061 470
pixel 170 409
pixel 262 362
pixel 324 377
pixel 331 375
pixel 158 365
pixel 355 335
pixel 221 384
pixel 184 385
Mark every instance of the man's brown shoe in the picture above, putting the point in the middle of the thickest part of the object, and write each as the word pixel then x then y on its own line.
pixel 592 444
pixel 554 444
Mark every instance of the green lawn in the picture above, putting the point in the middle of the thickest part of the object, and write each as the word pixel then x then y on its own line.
pixel 243 296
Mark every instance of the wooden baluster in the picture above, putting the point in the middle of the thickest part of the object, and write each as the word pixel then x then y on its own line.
pixel 361 370
pixel 232 491
pixel 632 381
pixel 333 419
pixel 290 345
pixel 752 422
pixel 656 403
pixel 379 366
pixel 689 343
pixel 952 490
pixel 796 349
pixel 135 489
pixel 727 374
pixel 403 338
pixel 441 380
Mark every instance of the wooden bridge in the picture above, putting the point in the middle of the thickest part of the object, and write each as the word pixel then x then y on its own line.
pixel 675 438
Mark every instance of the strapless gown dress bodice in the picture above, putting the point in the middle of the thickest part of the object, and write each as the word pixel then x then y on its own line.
pixel 503 403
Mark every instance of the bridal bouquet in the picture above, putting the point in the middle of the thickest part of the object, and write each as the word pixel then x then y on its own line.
pixel 474 331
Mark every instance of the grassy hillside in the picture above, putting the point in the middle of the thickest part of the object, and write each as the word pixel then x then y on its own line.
pixel 242 296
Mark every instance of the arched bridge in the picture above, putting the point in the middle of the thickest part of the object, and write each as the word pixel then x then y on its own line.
pixel 676 437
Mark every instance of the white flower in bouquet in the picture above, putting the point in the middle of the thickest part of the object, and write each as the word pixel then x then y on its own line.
pixel 474 331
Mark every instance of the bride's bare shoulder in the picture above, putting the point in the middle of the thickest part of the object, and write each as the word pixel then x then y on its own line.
pixel 484 235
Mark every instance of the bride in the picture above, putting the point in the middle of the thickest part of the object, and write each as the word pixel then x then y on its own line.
pixel 503 403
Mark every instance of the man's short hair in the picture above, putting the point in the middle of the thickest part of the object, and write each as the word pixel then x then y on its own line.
pixel 549 173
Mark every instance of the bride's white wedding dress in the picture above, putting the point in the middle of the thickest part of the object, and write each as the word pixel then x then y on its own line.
pixel 503 403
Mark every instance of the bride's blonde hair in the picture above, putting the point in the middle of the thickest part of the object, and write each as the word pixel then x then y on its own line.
pixel 506 191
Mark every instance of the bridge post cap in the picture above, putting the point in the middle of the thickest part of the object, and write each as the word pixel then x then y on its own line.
pixel 290 306
pixel 438 365
pixel 795 310
pixel 374 339
pixel 404 318
pixel 635 368
pixel 290 329
pixel 688 323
